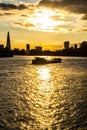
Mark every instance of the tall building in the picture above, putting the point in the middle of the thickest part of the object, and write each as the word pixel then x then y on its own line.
pixel 27 47
pixel 66 45
pixel 8 43
pixel 75 46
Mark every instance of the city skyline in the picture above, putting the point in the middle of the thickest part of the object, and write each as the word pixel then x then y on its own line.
pixel 66 45
pixel 68 50
pixel 46 23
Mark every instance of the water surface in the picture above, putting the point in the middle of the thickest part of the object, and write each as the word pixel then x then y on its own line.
pixel 43 97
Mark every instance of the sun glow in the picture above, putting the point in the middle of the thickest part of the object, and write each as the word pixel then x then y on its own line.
pixel 42 20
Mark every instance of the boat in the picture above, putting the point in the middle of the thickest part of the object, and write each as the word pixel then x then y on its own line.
pixel 55 60
pixel 41 60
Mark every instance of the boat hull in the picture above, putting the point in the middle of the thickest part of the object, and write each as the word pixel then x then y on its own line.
pixel 39 61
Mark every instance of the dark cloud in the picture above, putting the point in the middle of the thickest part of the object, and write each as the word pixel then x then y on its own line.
pixel 4 6
pixel 75 6
pixel 20 7
pixel 84 30
pixel 24 15
pixel 7 6
pixel 8 14
pixel 24 24
pixel 84 17
pixel 5 13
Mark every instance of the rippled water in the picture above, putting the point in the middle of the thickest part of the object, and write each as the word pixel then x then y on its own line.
pixel 43 97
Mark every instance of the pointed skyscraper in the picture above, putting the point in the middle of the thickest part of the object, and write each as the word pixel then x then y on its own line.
pixel 8 44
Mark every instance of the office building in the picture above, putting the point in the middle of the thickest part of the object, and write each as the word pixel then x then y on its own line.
pixel 75 46
pixel 66 45
pixel 27 47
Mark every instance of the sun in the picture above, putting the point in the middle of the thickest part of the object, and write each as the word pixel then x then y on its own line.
pixel 42 20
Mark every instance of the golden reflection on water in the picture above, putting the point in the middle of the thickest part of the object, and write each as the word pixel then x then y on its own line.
pixel 44 77
pixel 41 99
pixel 45 90
pixel 43 73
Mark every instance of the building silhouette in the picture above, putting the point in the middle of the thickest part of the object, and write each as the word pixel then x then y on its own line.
pixel 83 45
pixel 75 46
pixel 27 47
pixel 6 52
pixel 8 43
pixel 66 45
pixel 38 48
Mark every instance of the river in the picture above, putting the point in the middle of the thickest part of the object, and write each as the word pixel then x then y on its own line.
pixel 43 97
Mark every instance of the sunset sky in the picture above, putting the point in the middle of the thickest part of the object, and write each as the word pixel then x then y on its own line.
pixel 47 23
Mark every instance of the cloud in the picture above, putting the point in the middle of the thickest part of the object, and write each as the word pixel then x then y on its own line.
pixel 63 15
pixel 84 17
pixel 1 14
pixel 74 6
pixel 7 6
pixel 20 1
pixel 4 6
pixel 84 30
pixel 23 25
pixel 24 15
pixel 6 14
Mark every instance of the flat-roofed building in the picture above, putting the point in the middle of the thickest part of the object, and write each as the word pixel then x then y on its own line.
pixel 27 47
pixel 66 45
pixel 38 48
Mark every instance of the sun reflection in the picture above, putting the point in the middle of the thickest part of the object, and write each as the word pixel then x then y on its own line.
pixel 45 90
pixel 44 73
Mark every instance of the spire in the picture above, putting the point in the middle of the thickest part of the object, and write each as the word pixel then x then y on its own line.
pixel 8 44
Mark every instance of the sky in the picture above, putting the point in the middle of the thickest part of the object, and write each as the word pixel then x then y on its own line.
pixel 46 23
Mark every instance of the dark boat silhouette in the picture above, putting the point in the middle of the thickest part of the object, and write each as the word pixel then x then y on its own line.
pixel 40 60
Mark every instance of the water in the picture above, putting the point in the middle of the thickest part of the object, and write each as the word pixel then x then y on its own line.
pixel 43 97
